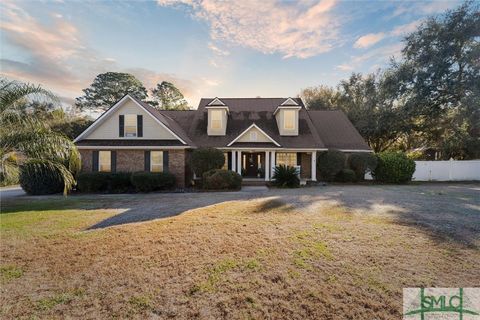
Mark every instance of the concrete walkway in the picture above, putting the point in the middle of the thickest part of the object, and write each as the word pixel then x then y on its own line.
pixel 11 192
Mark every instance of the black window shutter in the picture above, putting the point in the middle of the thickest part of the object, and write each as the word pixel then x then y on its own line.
pixel 94 161
pixel 113 161
pixel 229 160
pixel 121 125
pixel 139 125
pixel 147 160
pixel 299 158
pixel 165 161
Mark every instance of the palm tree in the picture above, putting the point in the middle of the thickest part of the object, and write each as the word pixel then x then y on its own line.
pixel 24 138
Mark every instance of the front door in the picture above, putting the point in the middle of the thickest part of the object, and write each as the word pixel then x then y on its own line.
pixel 253 164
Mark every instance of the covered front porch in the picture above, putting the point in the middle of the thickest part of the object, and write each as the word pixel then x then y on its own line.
pixel 257 164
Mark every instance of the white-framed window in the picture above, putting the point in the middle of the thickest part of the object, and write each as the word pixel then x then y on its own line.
pixel 287 159
pixel 104 161
pixel 130 125
pixel 289 119
pixel 253 136
pixel 216 121
pixel 156 161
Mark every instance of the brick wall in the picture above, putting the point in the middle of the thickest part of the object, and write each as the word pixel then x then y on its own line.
pixel 176 165
pixel 133 160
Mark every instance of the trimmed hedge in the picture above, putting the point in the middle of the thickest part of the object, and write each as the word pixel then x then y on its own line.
pixel 38 178
pixel 152 181
pixel 219 179
pixel 330 163
pixel 285 177
pixel 394 167
pixel 206 159
pixel 361 162
pixel 104 182
pixel 346 175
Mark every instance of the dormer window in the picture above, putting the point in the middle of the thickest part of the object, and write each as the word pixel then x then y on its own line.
pixel 217 117
pixel 287 115
pixel 130 125
pixel 216 121
pixel 289 119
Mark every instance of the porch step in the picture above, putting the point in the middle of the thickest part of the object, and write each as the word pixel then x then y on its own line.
pixel 253 182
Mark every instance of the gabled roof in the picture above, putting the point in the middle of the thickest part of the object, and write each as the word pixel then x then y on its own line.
pixel 244 112
pixel 166 120
pixel 169 124
pixel 289 102
pixel 248 129
pixel 317 129
pixel 216 102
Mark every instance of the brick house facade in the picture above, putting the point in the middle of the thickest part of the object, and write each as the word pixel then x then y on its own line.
pixel 255 134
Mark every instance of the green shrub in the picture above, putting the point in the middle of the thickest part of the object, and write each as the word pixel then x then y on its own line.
pixel 346 175
pixel 360 163
pixel 206 159
pixel 10 172
pixel 104 182
pixel 219 179
pixel 330 163
pixel 93 181
pixel 394 167
pixel 119 182
pixel 37 177
pixel 286 177
pixel 152 181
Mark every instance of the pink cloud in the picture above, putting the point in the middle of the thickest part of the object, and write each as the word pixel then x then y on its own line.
pixel 59 58
pixel 368 40
pixel 269 26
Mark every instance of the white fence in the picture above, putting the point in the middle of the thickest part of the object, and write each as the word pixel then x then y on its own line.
pixel 451 170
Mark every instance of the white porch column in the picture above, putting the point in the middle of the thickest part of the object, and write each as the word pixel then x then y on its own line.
pixel 239 162
pixel 314 166
pixel 267 165
pixel 273 164
pixel 234 162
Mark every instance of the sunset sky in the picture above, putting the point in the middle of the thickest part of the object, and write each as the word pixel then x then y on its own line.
pixel 207 48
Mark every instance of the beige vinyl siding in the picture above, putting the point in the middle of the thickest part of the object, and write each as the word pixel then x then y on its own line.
pixel 108 128
pixel 246 137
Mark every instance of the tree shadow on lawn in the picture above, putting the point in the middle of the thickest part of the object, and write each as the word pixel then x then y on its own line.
pixel 445 212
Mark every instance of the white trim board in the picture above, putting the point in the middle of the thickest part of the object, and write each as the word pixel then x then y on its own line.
pixel 216 102
pixel 114 107
pixel 290 102
pixel 246 130
pixel 270 149
pixel 286 108
pixel 132 147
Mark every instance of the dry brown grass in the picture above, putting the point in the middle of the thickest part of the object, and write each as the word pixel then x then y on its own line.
pixel 234 260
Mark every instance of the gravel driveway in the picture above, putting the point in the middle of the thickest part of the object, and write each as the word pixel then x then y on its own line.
pixel 449 211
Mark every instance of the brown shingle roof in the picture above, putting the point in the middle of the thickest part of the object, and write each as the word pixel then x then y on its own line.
pixel 246 111
pixel 317 129
pixel 128 143
pixel 337 131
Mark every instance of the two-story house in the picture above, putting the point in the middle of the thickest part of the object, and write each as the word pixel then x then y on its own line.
pixel 256 134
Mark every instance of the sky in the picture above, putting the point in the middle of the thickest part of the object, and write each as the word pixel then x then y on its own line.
pixel 207 48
